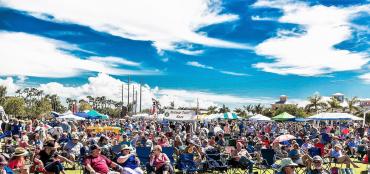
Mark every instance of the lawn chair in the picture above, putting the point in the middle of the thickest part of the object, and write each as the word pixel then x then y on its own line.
pixel 268 159
pixel 232 142
pixel 143 155
pixel 299 141
pixel 314 151
pixel 186 163
pixel 169 151
pixel 215 161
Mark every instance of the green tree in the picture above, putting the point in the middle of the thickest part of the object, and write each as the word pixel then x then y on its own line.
pixel 40 108
pixel 56 104
pixel 315 104
pixel 240 112
pixel 291 109
pixel 212 110
pixel 352 102
pixel 224 109
pixel 258 109
pixel 15 106
pixel 84 106
pixel 334 104
pixel 2 95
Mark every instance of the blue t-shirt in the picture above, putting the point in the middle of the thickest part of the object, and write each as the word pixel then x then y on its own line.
pixel 130 163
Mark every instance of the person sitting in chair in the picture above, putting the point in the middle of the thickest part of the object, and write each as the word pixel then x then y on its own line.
pixel 159 162
pixel 97 163
pixel 287 166
pixel 129 161
pixel 317 166
pixel 336 153
pixel 242 157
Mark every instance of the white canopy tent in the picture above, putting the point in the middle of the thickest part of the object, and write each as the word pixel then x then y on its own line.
pixel 334 116
pixel 259 117
pixel 222 116
pixel 70 116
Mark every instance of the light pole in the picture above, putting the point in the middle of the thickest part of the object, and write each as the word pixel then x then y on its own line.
pixel 365 112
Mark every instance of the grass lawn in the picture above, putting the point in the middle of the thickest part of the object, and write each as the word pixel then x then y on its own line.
pixel 363 167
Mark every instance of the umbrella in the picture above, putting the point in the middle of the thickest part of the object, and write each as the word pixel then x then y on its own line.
pixel 285 137
pixel 283 117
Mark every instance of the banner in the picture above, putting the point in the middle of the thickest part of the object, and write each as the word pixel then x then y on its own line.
pixel 179 115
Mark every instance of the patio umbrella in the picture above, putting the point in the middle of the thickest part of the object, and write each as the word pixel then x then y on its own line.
pixel 283 117
pixel 285 137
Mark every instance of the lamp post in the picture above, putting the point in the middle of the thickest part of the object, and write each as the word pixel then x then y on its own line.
pixel 365 112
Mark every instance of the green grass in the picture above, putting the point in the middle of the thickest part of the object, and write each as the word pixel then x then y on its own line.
pixel 363 167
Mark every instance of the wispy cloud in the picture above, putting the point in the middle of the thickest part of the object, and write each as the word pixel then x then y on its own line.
pixel 312 52
pixel 166 23
pixel 32 55
pixel 365 77
pixel 199 65
pixel 259 18
pixel 234 73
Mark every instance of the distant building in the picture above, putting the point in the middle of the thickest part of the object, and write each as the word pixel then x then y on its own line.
pixel 365 103
pixel 339 97
pixel 283 100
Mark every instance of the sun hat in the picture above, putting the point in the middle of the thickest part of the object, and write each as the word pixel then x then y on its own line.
pixel 317 158
pixel 338 145
pixel 19 151
pixel 74 137
pixel 125 147
pixel 286 162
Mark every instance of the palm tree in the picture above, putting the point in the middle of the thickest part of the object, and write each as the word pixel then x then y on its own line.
pixel 2 94
pixel 212 110
pixel 315 104
pixel 352 104
pixel 258 109
pixel 240 112
pixel 248 108
pixel 334 104
pixel 224 109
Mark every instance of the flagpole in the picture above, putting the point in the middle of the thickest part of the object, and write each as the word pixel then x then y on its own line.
pixel 140 99
pixel 135 101
pixel 128 93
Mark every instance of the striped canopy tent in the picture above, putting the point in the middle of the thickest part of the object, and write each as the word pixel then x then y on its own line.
pixel 284 117
pixel 222 116
pixel 230 116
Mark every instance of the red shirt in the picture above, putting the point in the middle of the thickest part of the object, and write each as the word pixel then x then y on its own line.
pixel 100 164
pixel 322 147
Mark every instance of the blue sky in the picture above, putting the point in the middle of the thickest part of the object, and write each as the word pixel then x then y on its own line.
pixel 245 51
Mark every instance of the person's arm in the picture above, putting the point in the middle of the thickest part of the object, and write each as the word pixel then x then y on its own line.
pixel 166 158
pixel 64 159
pixel 87 164
pixel 123 159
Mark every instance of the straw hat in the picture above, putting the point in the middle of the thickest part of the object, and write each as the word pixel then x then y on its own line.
pixel 338 145
pixel 74 137
pixel 286 162
pixel 126 147
pixel 19 151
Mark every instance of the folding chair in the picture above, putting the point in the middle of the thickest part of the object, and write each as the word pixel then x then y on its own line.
pixel 143 155
pixel 214 161
pixel 169 151
pixel 268 156
pixel 299 141
pixel 186 163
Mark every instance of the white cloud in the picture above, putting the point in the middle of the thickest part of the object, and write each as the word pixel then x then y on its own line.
pixel 105 85
pixel 165 22
pixel 259 18
pixel 199 65
pixel 114 61
pixel 31 55
pixel 365 77
pixel 233 73
pixel 311 52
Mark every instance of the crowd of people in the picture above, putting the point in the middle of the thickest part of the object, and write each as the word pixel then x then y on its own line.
pixel 34 146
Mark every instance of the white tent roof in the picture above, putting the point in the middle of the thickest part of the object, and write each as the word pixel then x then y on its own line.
pixel 334 116
pixel 70 117
pixel 259 117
